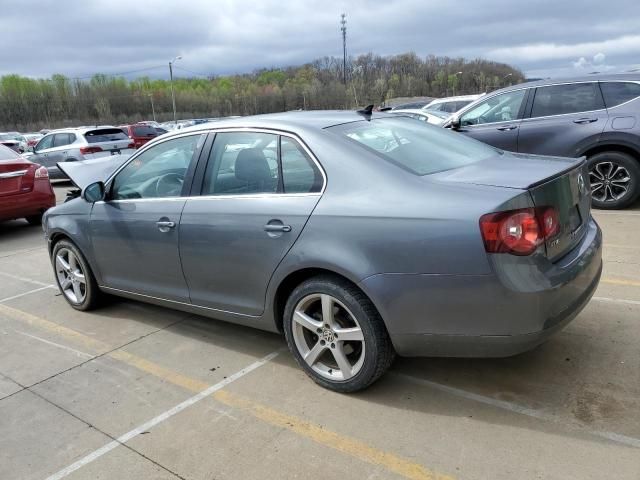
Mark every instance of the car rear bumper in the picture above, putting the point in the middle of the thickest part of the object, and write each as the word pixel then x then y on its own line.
pixel 27 204
pixel 492 315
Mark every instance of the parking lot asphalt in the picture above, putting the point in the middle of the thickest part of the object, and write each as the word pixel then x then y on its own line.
pixel 137 391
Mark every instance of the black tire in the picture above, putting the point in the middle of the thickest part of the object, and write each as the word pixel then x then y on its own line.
pixel 35 219
pixel 92 295
pixel 378 349
pixel 617 159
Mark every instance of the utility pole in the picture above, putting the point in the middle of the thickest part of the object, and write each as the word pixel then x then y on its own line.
pixel 173 96
pixel 343 29
pixel 153 110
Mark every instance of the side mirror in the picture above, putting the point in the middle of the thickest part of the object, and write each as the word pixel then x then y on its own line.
pixel 455 123
pixel 94 192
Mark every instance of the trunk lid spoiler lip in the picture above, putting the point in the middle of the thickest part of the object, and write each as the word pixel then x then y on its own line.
pixel 84 173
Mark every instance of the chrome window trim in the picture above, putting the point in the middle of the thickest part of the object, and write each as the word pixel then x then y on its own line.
pixel 565 114
pixel 570 113
pixel 223 130
pixel 247 196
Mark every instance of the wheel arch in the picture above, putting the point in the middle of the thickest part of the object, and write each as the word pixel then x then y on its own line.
pixel 295 278
pixel 612 147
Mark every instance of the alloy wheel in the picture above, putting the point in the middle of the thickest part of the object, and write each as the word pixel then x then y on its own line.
pixel 328 337
pixel 70 276
pixel 609 181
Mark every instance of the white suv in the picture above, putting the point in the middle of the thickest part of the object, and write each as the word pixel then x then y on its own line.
pixel 79 144
pixel 451 104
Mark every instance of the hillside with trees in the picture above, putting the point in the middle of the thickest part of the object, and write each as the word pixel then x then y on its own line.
pixel 31 104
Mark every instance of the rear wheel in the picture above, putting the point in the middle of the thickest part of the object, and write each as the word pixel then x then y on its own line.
pixel 615 180
pixel 35 219
pixel 74 277
pixel 336 335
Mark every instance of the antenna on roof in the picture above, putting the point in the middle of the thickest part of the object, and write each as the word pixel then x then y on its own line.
pixel 366 110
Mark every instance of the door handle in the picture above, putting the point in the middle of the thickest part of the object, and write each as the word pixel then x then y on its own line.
pixel 507 128
pixel 585 120
pixel 165 225
pixel 271 227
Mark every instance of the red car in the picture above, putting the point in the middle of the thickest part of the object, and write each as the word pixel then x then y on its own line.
pixel 25 189
pixel 139 133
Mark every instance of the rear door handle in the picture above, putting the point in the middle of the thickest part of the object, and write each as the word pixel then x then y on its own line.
pixel 165 225
pixel 274 227
pixel 507 128
pixel 585 120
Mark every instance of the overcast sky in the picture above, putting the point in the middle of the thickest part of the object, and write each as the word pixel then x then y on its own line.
pixel 543 38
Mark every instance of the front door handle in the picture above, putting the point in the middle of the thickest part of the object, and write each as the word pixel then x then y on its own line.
pixel 585 120
pixel 507 128
pixel 275 227
pixel 165 225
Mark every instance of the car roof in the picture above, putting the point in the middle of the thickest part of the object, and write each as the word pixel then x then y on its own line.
pixel 417 111
pixel 456 99
pixel 602 77
pixel 292 121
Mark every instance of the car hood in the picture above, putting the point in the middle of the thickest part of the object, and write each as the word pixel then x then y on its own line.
pixel 510 170
pixel 84 173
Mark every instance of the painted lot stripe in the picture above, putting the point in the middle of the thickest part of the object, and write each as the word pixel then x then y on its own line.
pixel 515 408
pixel 620 281
pixel 616 300
pixel 54 344
pixel 160 418
pixel 23 279
pixel 613 214
pixel 349 446
pixel 20 295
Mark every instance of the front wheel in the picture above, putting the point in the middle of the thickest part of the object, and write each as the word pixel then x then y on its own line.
pixel 74 276
pixel 336 335
pixel 615 180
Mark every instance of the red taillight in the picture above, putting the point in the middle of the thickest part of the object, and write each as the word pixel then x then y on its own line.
pixel 42 172
pixel 87 150
pixel 518 232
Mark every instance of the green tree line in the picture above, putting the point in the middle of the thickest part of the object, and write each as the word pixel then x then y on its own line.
pixel 31 104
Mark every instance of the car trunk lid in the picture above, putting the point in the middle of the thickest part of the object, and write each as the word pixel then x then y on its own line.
pixel 16 176
pixel 558 182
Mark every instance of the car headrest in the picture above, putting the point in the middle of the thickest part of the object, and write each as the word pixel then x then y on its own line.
pixel 252 166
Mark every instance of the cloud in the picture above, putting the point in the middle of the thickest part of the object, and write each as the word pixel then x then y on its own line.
pixel 228 36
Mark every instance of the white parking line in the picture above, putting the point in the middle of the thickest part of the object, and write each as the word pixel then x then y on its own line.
pixel 160 418
pixel 6 299
pixel 48 342
pixel 23 279
pixel 515 408
pixel 616 300
pixel 628 214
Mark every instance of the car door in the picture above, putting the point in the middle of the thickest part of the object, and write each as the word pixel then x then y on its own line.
pixel 59 151
pixel 495 120
pixel 258 191
pixel 44 155
pixel 135 230
pixel 563 119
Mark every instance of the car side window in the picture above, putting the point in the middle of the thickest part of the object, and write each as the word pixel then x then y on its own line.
pixel 61 139
pixel 616 93
pixel 569 98
pixel 242 163
pixel 45 143
pixel 158 172
pixel 499 108
pixel 299 172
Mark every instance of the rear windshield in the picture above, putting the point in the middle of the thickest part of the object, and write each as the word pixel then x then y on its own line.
pixel 7 154
pixel 105 135
pixel 416 146
pixel 144 131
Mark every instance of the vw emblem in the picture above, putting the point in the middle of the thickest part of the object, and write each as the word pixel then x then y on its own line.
pixel 581 186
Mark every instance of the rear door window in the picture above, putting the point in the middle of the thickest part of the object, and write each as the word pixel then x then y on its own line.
pixel 242 163
pixel 616 93
pixel 62 139
pixel 564 99
pixel 105 135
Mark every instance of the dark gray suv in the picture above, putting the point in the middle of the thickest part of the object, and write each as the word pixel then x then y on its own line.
pixel 597 116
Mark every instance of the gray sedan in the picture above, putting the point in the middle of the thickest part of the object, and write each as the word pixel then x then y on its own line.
pixel 359 236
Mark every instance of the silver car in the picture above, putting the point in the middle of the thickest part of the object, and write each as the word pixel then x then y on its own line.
pixel 78 145
pixel 358 235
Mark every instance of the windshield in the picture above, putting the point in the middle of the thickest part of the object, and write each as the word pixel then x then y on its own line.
pixel 416 146
pixel 7 154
